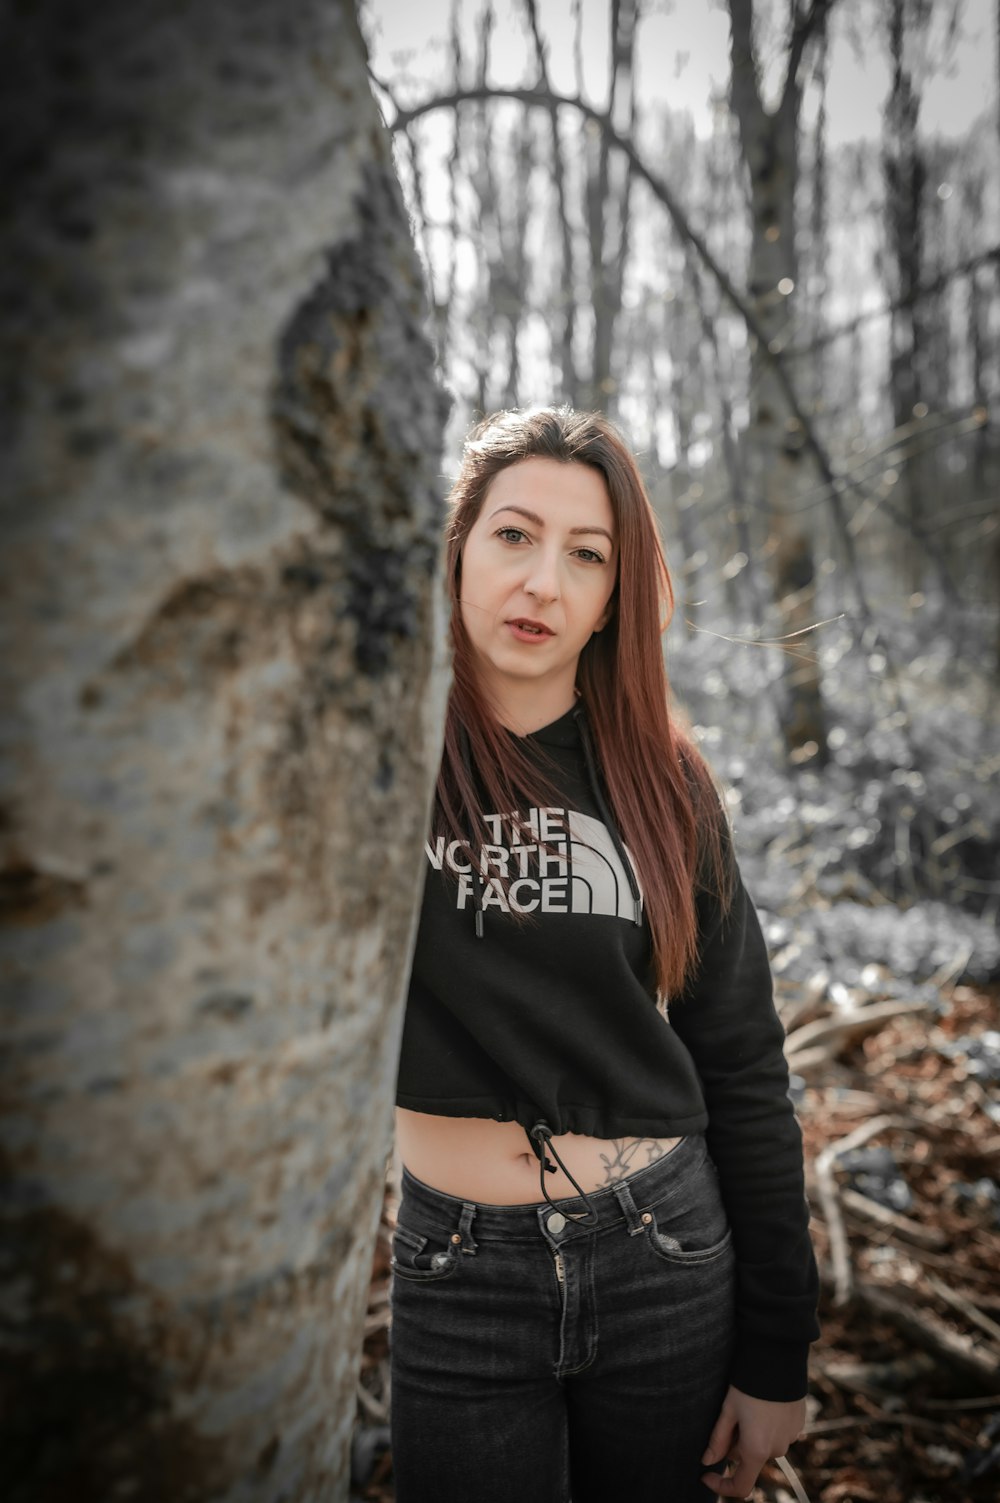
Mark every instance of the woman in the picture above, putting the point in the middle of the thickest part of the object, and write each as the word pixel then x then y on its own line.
pixel 603 1283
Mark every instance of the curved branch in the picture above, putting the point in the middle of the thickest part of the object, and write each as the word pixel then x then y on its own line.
pixel 544 99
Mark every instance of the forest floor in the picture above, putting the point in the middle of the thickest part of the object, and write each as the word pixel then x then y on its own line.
pixel 877 879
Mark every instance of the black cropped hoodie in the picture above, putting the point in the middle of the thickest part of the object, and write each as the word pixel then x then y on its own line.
pixel 554 1019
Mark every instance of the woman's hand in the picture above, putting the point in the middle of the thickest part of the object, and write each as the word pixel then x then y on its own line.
pixel 749 1432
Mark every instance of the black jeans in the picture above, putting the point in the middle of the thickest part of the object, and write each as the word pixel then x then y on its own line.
pixel 534 1359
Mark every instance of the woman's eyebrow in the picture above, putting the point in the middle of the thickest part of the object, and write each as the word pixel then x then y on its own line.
pixel 533 516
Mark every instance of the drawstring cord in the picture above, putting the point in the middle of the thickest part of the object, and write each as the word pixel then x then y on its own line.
pixel 612 828
pixel 540 1138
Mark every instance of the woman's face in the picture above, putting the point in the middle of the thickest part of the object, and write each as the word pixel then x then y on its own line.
pixel 538 570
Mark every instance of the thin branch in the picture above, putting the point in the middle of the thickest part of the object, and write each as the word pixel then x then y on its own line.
pixel 966 1307
pixel 843 1278
pixel 916 293
pixel 850 1421
pixel 980 1363
pixel 733 467
pixel 420 215
pixel 805 26
pixel 791 1477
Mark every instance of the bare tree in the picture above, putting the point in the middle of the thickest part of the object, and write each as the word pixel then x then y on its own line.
pixel 818 282
pixel 565 291
pixel 225 686
pixel 775 440
pixel 905 170
pixel 608 200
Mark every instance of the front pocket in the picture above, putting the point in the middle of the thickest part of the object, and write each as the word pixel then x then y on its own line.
pixel 672 1250
pixel 691 1225
pixel 423 1259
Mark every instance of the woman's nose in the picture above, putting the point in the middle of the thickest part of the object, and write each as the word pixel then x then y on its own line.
pixel 542 582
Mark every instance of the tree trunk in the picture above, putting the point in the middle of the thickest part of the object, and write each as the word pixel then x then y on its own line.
pixel 608 195
pixel 563 292
pixel 225 682
pixel 774 441
pixel 817 286
pixel 905 172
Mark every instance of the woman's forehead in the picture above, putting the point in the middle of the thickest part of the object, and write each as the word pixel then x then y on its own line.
pixel 556 493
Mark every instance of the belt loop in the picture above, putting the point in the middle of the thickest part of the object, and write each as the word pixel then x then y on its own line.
pixel 632 1217
pixel 469 1244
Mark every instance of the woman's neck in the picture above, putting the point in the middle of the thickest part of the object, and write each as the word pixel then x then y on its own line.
pixel 525 713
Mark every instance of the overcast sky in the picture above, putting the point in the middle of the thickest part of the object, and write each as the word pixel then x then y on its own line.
pixel 683 55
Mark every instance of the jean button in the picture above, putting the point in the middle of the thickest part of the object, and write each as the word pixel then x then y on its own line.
pixel 556 1222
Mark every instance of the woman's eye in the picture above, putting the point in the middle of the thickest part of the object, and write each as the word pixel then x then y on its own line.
pixel 590 555
pixel 510 534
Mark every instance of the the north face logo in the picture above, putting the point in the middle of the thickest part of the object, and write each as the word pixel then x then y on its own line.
pixel 577 871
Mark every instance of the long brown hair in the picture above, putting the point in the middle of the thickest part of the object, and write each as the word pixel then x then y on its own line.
pixel 659 787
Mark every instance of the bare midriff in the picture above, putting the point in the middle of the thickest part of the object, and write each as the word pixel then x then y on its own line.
pixel 478 1159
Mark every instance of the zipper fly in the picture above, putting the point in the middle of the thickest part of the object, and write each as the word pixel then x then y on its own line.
pixel 560 1270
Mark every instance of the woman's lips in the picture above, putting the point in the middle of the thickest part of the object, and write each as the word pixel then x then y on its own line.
pixel 526 630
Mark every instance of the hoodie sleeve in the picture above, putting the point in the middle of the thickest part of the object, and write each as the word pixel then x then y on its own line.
pixel 727 1020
